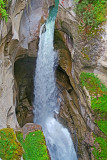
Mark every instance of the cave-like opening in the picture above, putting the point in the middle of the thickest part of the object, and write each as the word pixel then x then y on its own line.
pixel 24 70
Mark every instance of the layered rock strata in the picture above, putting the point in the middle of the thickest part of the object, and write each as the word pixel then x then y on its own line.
pixel 77 53
pixel 18 38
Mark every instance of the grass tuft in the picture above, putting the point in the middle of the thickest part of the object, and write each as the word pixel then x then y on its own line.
pixel 98 92
pixel 10 148
pixel 34 146
pixel 91 14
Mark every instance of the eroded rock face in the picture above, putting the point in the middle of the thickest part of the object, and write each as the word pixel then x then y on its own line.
pixel 85 55
pixel 18 37
pixel 7 101
pixel 101 69
pixel 70 111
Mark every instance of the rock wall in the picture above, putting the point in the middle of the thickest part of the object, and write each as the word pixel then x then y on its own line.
pixel 79 54
pixel 70 111
pixel 18 38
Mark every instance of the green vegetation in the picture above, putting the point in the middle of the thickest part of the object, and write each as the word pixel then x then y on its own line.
pixel 98 92
pixel 10 148
pixel 34 146
pixel 3 12
pixel 91 13
pixel 101 152
pixel 100 104
pixel 93 84
pixel 103 126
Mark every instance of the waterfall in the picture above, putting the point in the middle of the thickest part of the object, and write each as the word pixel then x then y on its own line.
pixel 58 138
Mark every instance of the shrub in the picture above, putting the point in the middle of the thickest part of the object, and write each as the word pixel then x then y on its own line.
pixel 91 13
pixel 3 12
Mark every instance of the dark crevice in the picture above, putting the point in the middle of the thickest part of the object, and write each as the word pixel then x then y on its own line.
pixel 24 70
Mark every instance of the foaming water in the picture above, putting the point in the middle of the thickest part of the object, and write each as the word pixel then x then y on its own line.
pixel 45 101
pixel 58 139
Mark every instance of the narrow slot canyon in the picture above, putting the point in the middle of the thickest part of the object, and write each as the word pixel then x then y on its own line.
pixel 53 80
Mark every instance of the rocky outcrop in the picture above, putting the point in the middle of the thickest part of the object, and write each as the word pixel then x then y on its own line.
pixel 101 69
pixel 77 53
pixel 30 127
pixel 70 111
pixel 18 38
pixel 26 142
pixel 18 51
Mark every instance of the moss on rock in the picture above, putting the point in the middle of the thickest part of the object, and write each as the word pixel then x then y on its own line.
pixel 98 92
pixel 13 146
pixel 10 148
pixel 91 14
pixel 100 151
pixel 34 146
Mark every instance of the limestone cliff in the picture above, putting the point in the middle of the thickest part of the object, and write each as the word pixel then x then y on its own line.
pixel 77 54
pixel 18 50
pixel 18 38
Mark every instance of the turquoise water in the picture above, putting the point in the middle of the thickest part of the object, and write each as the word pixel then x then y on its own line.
pixel 53 11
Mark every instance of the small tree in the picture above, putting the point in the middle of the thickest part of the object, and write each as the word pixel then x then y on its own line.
pixel 3 12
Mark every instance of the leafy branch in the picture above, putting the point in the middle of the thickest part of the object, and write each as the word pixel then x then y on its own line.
pixel 3 12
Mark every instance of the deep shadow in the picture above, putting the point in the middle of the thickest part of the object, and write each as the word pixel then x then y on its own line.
pixel 24 70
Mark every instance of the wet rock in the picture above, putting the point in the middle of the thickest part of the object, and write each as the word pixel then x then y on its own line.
pixel 75 112
pixel 30 127
pixel 44 29
pixel 18 37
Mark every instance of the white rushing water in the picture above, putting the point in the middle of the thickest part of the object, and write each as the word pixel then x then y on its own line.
pixel 58 138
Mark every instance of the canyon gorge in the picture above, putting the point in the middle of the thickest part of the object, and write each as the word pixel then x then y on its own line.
pixel 77 52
